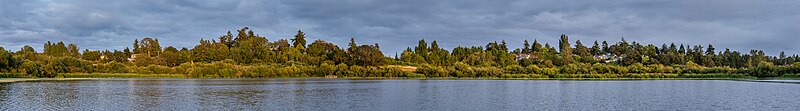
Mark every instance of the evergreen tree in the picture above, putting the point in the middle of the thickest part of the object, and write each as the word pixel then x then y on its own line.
pixel 710 50
pixel 536 46
pixel 352 44
pixel 526 47
pixel 73 50
pixel 565 50
pixel 605 48
pixel 299 40
pixel 422 48
pixel 782 58
pixel 596 49
pixel 7 61
pixel 27 49
pixel 136 49
pixel 92 55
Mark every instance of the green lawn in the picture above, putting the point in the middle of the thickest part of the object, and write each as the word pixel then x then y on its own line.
pixel 504 76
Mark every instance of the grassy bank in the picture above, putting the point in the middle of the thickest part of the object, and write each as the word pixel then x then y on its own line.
pixel 10 80
pixel 120 75
pixel 502 77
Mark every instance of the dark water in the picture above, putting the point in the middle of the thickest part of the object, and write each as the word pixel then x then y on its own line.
pixel 325 94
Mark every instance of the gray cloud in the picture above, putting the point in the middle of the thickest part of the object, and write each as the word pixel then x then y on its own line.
pixel 97 24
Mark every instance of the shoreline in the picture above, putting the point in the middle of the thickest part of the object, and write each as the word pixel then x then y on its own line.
pixel 771 80
pixel 13 80
pixel 94 76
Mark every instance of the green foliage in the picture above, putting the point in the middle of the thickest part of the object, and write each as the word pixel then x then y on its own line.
pixel 299 40
pixel 487 71
pixel 7 61
pixel 321 51
pixel 713 76
pixel 170 57
pixel 246 48
pixel 247 54
pixel 433 71
pixel 147 47
pixel 91 55
pixel 111 67
pixel 58 49
pixel 118 75
pixel 209 51
pixel 515 69
pixel 366 55
pixel 765 69
pixel 36 69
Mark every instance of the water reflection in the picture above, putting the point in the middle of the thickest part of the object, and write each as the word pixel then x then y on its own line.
pixel 333 94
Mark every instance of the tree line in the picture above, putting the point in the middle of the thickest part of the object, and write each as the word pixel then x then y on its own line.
pixel 247 54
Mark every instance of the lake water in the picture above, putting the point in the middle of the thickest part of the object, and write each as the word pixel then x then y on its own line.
pixel 339 94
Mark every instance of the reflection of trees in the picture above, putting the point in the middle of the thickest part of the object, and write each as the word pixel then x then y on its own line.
pixel 230 94
pixel 59 95
pixel 147 93
pixel 3 92
pixel 361 96
pixel 246 95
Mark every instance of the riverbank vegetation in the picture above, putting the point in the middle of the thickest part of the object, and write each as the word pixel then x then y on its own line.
pixel 248 55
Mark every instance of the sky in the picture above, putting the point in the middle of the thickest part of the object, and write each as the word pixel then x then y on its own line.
pixel 742 25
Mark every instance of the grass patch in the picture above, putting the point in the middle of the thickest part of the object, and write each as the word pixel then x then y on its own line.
pixel 626 76
pixel 421 76
pixel 523 76
pixel 3 75
pixel 119 75
pixel 734 76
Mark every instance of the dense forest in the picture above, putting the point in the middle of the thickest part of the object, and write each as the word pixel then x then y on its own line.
pixel 247 54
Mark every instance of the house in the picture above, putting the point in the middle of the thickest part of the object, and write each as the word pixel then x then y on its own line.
pixel 520 56
pixel 132 56
pixel 608 57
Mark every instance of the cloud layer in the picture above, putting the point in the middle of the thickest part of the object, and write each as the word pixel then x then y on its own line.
pixel 395 25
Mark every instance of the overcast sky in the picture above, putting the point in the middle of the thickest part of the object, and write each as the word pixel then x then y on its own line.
pixel 769 25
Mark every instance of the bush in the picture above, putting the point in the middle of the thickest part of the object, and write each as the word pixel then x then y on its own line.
pixel 515 76
pixel 36 69
pixel 432 71
pixel 713 76
pixel 414 75
pixel 461 69
pixel 515 69
pixel 487 72
pixel 569 69
pixel 765 69
pixel 790 76
pixel 111 67
pixel 159 69
pixel 394 72
pixel 637 68
pixel 549 71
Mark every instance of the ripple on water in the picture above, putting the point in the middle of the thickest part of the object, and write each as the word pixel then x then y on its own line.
pixel 336 94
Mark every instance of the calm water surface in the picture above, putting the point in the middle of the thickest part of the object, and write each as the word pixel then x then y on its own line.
pixel 338 94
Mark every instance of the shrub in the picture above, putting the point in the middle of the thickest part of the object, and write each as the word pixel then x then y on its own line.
pixel 36 69
pixel 415 75
pixel 487 72
pixel 432 71
pixel 765 69
pixel 533 69
pixel 325 69
pixel 394 72
pixel 159 69
pixel 636 68
pixel 515 69
pixel 515 76
pixel 569 69
pixel 549 71
pixel 461 69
